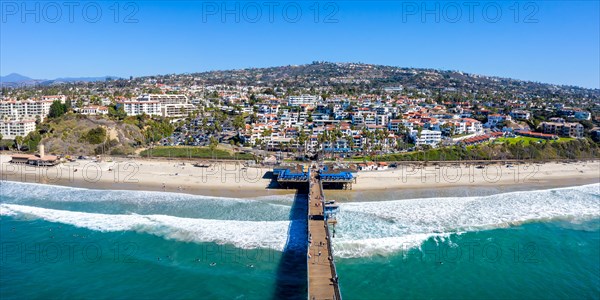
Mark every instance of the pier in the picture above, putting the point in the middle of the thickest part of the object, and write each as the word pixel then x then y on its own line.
pixel 322 275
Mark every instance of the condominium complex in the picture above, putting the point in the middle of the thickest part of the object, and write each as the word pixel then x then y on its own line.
pixel 24 109
pixel 164 98
pixel 560 127
pixel 10 129
pixel 427 137
pixel 134 108
pixel 302 100
pixel 177 110
pixel 158 105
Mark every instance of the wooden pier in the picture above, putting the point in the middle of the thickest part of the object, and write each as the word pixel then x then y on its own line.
pixel 322 275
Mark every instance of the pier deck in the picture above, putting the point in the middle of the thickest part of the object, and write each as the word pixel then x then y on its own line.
pixel 322 277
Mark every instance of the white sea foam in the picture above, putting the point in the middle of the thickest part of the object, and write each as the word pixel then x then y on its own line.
pixel 364 228
pixel 146 202
pixel 241 234
pixel 62 193
pixel 371 228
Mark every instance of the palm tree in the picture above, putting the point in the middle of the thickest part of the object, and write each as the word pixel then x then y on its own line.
pixel 19 142
pixel 302 139
pixel 350 140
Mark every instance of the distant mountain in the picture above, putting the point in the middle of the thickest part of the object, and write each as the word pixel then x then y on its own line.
pixel 15 80
pixel 77 79
pixel 14 77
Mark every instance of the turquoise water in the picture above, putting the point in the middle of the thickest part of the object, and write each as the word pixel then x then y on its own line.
pixel 550 260
pixel 62 242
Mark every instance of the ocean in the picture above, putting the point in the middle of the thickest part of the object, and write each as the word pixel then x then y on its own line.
pixel 63 242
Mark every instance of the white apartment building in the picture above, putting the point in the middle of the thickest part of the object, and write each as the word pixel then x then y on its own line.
pixel 13 128
pixel 177 110
pixel 93 110
pixel 381 120
pixel 61 98
pixel 520 114
pixel 164 98
pixel 134 108
pixel 370 119
pixel 472 125
pixel 427 137
pixel 165 105
pixel 268 109
pixel 171 105
pixel 466 126
pixel 302 100
pixel 24 109
pixel 495 119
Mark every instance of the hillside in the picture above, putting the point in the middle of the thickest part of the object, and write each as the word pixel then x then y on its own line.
pixel 81 135
pixel 365 77
pixel 352 79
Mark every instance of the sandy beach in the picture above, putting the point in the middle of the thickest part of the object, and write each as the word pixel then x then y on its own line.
pixel 228 179
pixel 232 179
pixel 551 174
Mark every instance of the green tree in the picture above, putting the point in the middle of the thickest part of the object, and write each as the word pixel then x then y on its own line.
pixel 239 122
pixel 19 142
pixel 95 136
pixel 57 109
pixel 213 144
pixel 117 112
pixel 302 139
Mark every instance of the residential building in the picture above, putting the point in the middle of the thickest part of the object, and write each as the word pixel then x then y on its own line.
pixel 426 137
pixel 177 110
pixel 10 129
pixel 164 98
pixel 520 115
pixel 25 109
pixel 94 110
pixel 165 105
pixel 134 108
pixel 61 98
pixel 302 100
pixel 563 128
pixel 495 119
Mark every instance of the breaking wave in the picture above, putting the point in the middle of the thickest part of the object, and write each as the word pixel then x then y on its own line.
pixel 364 228
pixel 380 228
pixel 241 234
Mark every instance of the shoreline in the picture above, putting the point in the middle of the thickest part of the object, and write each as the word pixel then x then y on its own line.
pixel 233 179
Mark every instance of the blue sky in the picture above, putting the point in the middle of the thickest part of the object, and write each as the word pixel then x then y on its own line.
pixel 546 41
